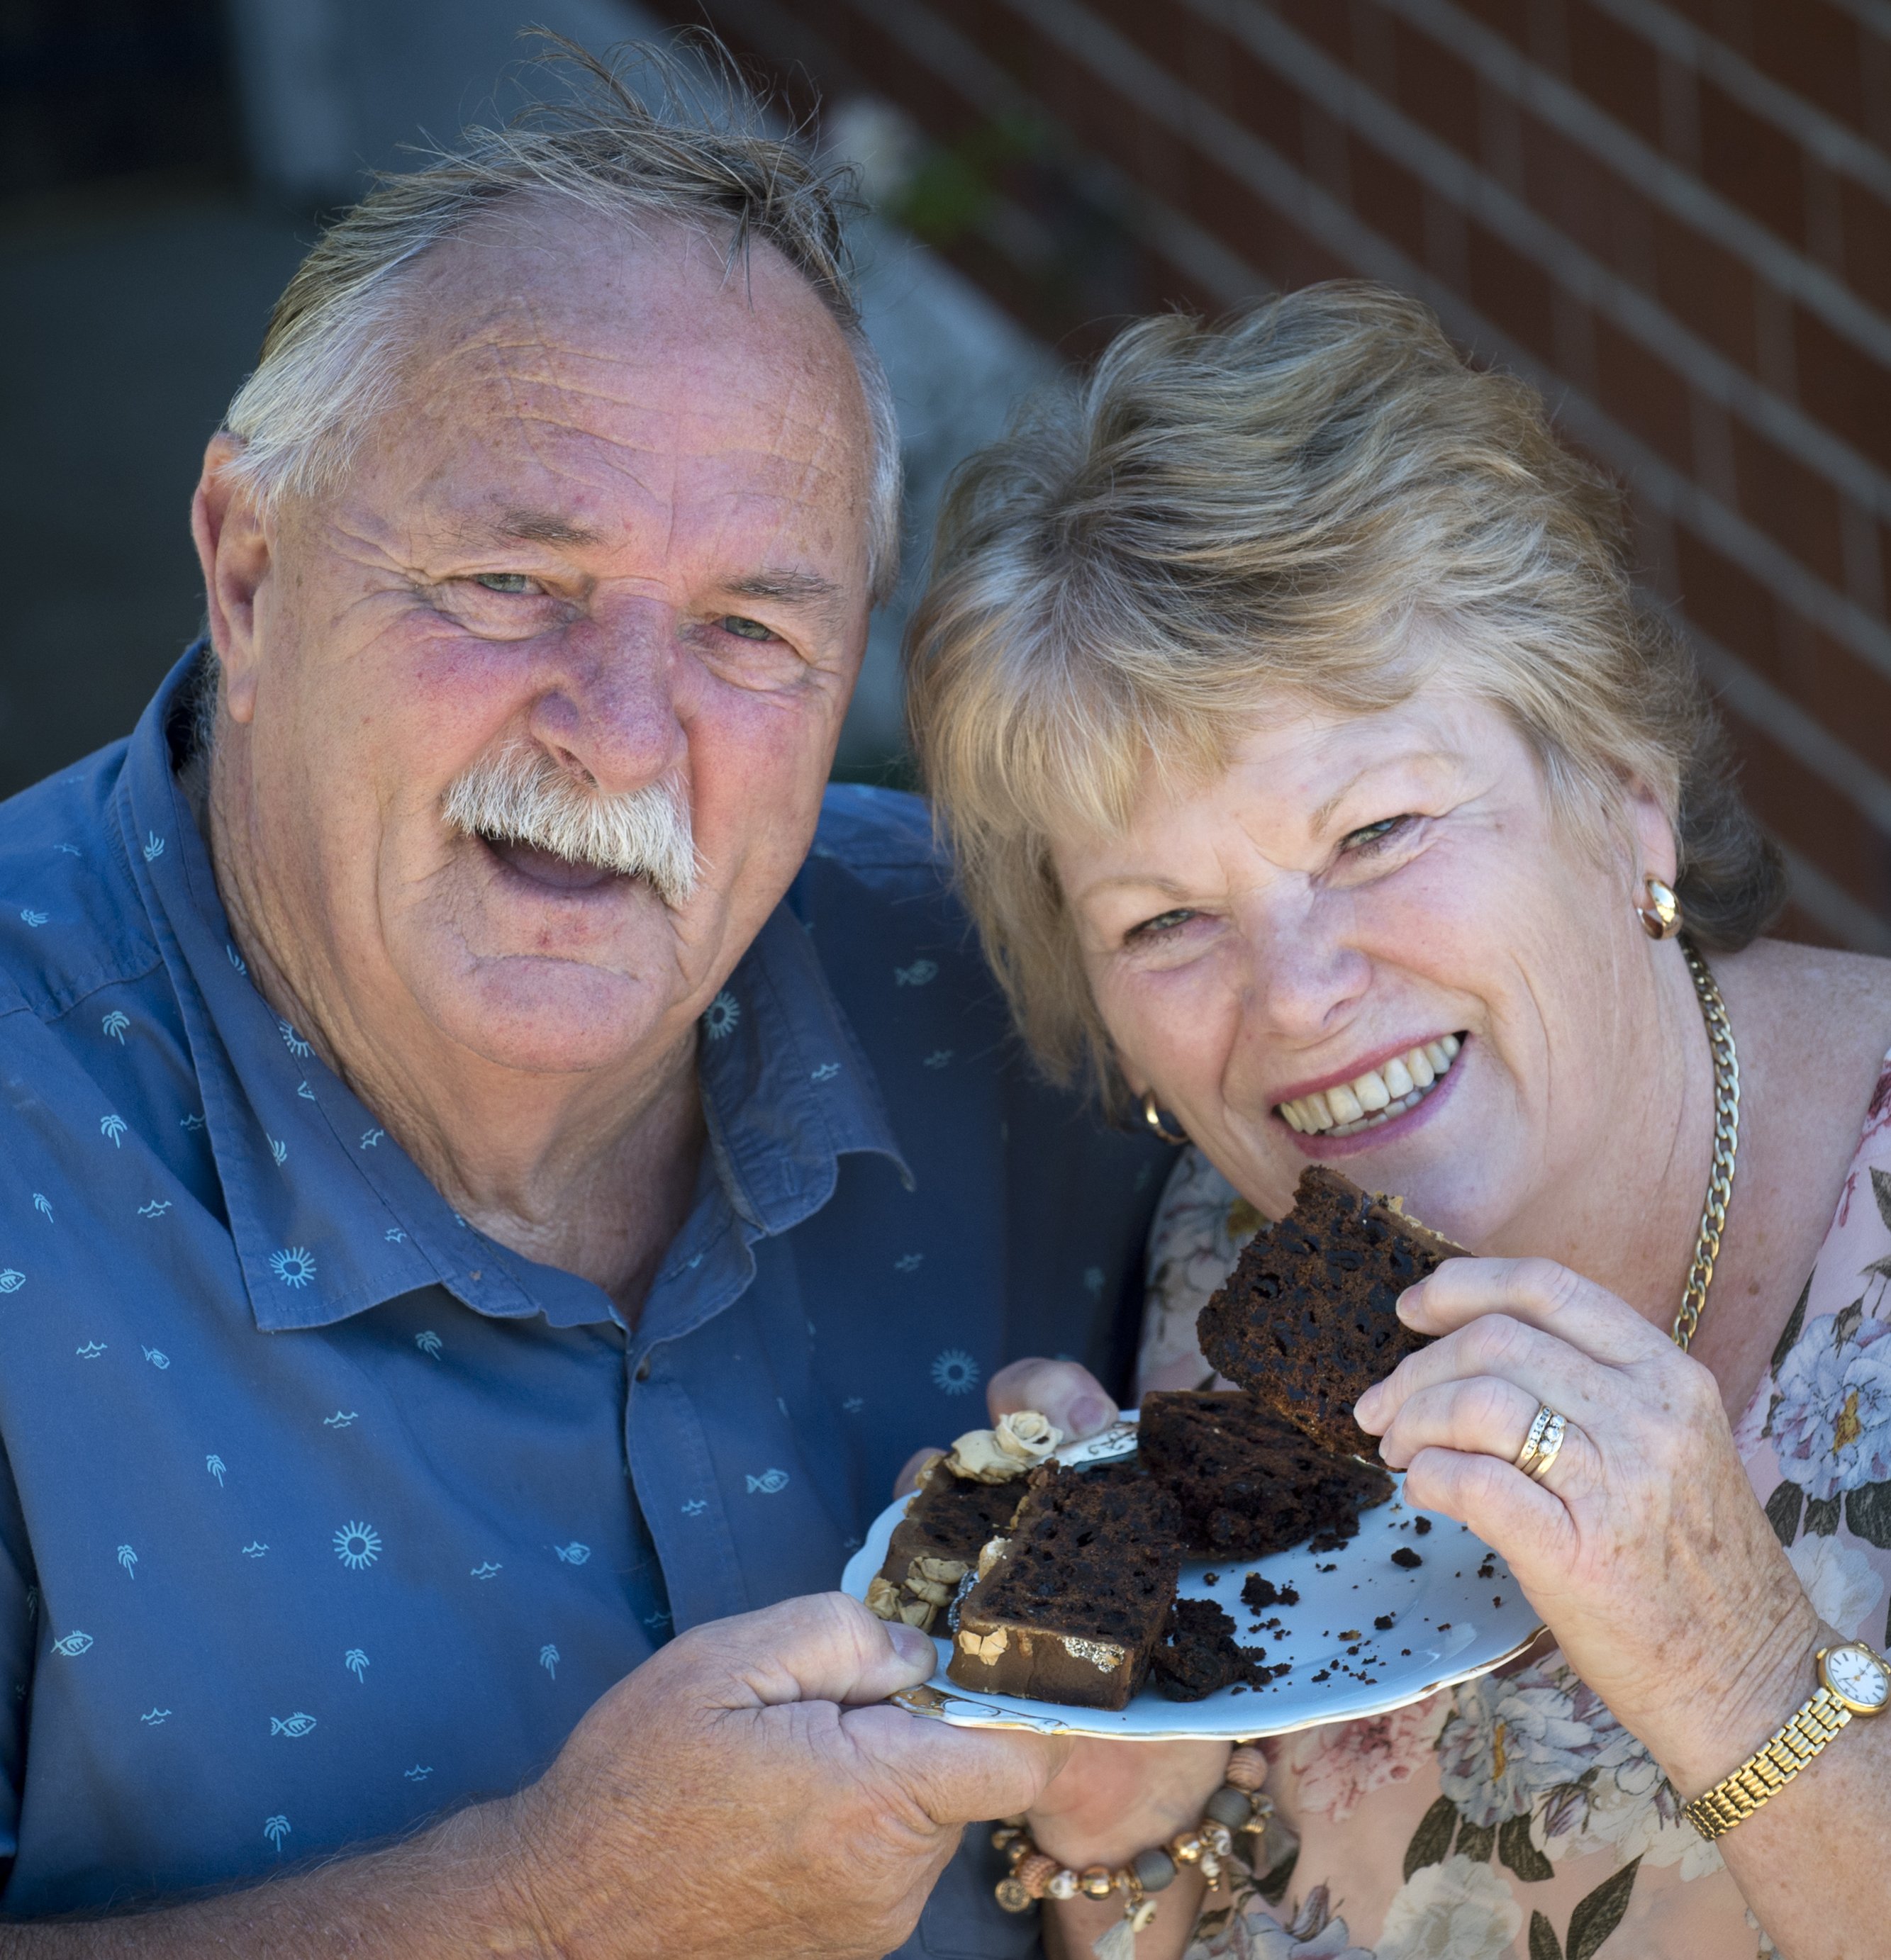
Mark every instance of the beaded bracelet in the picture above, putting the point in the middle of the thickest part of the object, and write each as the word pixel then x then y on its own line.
pixel 1239 1804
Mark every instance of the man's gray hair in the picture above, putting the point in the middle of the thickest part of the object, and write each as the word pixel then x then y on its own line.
pixel 701 154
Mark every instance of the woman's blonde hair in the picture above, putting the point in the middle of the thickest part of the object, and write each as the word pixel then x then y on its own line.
pixel 1321 500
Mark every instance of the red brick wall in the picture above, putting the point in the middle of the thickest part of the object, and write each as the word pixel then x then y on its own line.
pixel 1673 214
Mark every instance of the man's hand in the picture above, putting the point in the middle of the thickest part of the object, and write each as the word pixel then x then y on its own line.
pixel 737 1798
pixel 733 1798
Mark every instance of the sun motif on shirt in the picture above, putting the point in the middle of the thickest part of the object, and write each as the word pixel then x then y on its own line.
pixel 955 1373
pixel 357 1546
pixel 719 1018
pixel 294 1265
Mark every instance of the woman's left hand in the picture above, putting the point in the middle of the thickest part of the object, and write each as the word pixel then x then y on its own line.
pixel 1642 1546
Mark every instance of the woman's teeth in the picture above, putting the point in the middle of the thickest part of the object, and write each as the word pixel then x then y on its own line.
pixel 1375 1097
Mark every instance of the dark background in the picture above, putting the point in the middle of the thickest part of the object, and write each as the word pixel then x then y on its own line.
pixel 1674 215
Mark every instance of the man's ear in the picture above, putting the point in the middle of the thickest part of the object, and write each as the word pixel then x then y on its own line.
pixel 234 549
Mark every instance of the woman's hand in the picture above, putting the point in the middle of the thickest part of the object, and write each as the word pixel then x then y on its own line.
pixel 1064 1391
pixel 1067 1393
pixel 1642 1546
pixel 1112 1799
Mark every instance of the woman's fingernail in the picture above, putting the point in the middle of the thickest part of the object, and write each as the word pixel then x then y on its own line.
pixel 912 1647
pixel 1409 1301
pixel 1088 1414
pixel 1366 1407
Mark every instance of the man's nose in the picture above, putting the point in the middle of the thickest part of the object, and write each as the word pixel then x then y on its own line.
pixel 608 708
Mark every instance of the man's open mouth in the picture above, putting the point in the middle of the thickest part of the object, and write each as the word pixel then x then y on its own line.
pixel 547 868
pixel 1375 1097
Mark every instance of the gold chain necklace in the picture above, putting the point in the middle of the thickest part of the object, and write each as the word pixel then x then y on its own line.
pixel 1726 1144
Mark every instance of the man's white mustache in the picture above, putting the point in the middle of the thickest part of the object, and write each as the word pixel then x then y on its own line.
pixel 519 795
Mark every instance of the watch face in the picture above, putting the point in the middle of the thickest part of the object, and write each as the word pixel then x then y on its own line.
pixel 1858 1677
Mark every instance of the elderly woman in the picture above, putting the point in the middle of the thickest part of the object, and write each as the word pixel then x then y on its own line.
pixel 1322 790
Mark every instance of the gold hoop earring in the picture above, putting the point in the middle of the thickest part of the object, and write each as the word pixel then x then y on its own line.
pixel 1660 914
pixel 1153 1117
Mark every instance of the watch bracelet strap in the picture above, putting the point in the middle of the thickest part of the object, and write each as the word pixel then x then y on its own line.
pixel 1769 1768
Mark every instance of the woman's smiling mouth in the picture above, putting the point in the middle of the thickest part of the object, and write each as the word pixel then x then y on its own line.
pixel 1375 1097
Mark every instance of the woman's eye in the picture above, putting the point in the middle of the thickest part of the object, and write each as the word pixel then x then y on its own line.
pixel 1369 836
pixel 513 583
pixel 745 629
pixel 1162 922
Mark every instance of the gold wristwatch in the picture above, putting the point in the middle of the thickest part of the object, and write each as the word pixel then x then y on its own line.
pixel 1852 1680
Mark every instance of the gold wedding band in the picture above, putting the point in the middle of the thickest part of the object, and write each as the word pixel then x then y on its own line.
pixel 1542 1443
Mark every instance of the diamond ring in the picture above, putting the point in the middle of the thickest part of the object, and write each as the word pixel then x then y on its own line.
pixel 1541 1446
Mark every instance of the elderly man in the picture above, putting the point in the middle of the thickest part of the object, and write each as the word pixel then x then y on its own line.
pixel 476 1199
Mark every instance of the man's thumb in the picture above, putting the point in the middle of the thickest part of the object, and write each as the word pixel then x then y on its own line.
pixel 825 1647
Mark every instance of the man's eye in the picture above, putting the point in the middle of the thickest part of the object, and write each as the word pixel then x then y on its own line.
pixel 1162 922
pixel 745 629
pixel 1367 837
pixel 511 582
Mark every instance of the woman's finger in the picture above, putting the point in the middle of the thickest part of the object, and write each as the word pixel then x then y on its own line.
pixel 1485 1416
pixel 1539 1291
pixel 909 1477
pixel 1548 1368
pixel 1064 1391
pixel 1526 1525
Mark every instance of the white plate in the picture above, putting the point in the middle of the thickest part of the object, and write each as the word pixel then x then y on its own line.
pixel 1449 1623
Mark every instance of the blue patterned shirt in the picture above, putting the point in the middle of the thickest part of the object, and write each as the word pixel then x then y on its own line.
pixel 320 1512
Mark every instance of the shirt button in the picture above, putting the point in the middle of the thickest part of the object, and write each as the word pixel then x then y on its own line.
pixel 643 1369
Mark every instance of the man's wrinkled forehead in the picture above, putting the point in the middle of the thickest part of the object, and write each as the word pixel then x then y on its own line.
pixel 611 378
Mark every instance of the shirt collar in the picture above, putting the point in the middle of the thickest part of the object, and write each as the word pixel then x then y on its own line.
pixel 330 1216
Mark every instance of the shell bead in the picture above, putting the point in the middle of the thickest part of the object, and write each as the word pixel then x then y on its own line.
pixel 1035 1872
pixel 1247 1768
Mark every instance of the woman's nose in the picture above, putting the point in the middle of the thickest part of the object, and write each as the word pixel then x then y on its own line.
pixel 1304 976
pixel 609 708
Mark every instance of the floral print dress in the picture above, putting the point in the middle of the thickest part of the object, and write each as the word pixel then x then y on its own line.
pixel 1512 1815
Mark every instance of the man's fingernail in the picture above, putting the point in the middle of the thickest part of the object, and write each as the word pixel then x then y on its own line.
pixel 1088 1414
pixel 1409 1301
pixel 912 1647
